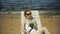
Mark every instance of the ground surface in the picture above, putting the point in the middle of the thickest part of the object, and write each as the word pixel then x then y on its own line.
pixel 10 23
